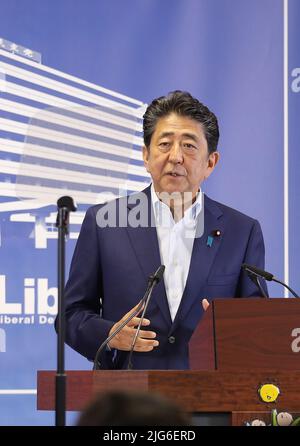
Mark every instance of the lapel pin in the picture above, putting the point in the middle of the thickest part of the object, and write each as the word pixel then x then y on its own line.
pixel 210 238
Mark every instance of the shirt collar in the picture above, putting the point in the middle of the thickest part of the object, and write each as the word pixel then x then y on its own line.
pixel 192 212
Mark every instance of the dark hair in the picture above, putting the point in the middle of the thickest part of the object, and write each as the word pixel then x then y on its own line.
pixel 124 408
pixel 184 104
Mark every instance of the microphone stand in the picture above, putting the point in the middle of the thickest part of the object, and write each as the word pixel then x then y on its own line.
pixel 152 282
pixel 97 364
pixel 62 224
pixel 256 280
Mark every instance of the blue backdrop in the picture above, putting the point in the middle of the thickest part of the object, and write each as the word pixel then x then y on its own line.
pixel 228 53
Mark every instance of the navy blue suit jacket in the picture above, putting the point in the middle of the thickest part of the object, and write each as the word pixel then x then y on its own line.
pixel 109 274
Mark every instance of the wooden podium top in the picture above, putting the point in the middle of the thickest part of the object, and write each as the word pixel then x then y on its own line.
pixel 195 391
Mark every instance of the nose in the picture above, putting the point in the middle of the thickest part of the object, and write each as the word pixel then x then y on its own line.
pixel 175 154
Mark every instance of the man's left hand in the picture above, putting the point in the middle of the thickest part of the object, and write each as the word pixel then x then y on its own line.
pixel 205 304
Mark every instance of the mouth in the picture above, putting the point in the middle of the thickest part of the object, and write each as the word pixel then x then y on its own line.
pixel 175 174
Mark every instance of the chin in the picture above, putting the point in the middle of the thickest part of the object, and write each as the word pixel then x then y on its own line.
pixel 174 186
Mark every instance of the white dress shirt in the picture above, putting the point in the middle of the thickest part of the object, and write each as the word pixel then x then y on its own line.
pixel 176 242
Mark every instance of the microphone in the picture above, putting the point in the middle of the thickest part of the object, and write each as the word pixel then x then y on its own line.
pixel 254 273
pixel 65 205
pixel 66 202
pixel 158 275
pixel 152 281
pixel 258 272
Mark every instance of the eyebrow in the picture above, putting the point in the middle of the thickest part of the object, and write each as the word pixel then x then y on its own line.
pixel 186 135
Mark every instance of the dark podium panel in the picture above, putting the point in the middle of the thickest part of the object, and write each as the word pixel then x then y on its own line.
pixel 246 334
pixel 239 345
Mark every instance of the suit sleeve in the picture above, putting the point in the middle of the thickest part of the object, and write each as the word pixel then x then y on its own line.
pixel 254 255
pixel 85 328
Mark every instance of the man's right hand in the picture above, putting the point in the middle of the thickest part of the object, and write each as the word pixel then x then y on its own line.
pixel 122 341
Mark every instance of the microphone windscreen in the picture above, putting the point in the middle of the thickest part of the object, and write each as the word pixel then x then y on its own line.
pixel 66 202
pixel 257 271
pixel 159 273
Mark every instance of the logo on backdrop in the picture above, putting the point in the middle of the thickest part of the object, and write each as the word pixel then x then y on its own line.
pixel 103 138
pixel 38 305
pixel 72 138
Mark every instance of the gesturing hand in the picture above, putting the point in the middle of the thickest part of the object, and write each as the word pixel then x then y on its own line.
pixel 122 341
pixel 205 304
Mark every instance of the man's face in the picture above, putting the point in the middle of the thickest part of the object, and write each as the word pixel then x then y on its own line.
pixel 178 158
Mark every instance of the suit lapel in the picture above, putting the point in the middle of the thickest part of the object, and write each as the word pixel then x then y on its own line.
pixel 202 258
pixel 144 242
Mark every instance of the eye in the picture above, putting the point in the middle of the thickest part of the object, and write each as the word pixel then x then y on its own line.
pixel 189 146
pixel 164 145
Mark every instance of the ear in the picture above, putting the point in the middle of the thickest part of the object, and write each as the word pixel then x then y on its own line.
pixel 212 161
pixel 146 154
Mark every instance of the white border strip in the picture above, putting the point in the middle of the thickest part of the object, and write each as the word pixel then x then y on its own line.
pixel 286 140
pixel 18 392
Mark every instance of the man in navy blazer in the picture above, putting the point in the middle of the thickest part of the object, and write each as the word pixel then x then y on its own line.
pixel 201 242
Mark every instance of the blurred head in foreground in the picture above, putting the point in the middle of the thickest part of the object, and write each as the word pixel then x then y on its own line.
pixel 120 408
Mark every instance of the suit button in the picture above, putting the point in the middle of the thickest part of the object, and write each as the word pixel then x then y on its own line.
pixel 172 339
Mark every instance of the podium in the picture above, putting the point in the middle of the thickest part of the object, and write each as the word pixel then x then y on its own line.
pixel 239 346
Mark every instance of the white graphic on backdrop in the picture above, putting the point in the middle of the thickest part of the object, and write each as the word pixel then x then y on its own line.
pixel 61 135
pixel 2 341
pixel 20 50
